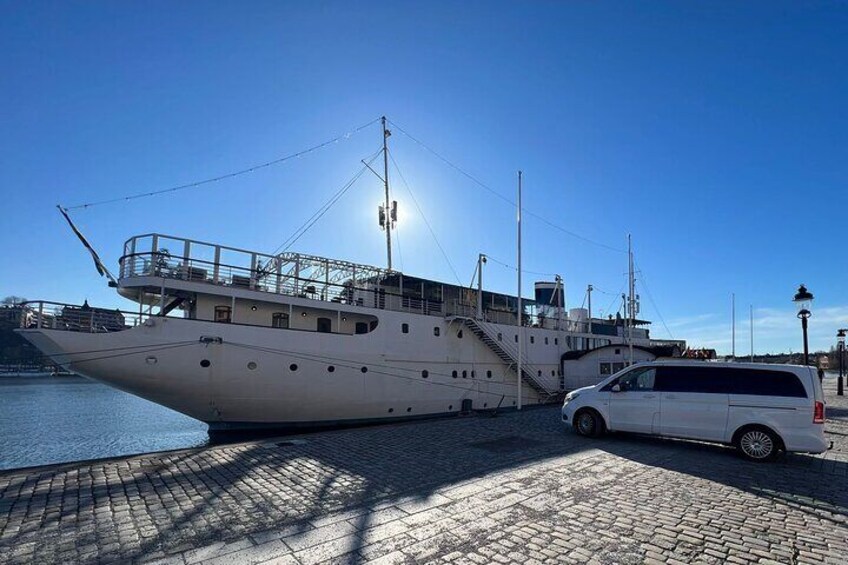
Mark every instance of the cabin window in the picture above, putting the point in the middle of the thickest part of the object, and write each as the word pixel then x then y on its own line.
pixel 325 325
pixel 500 337
pixel 464 374
pixel 223 314
pixel 454 374
pixel 425 373
pixel 361 328
pixel 459 334
pixel 516 338
pixel 616 367
pixel 606 368
pixel 488 374
pixel 437 331
pixel 556 341
pixel 280 320
pixel 546 341
pixel 404 328
pixel 532 339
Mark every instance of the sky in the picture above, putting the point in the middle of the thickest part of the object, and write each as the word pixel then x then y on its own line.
pixel 712 132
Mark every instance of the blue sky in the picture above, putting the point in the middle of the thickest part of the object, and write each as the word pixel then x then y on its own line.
pixel 714 132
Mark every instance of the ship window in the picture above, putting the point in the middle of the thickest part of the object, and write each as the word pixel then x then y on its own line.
pixel 223 314
pixel 454 374
pixel 532 339
pixel 361 328
pixel 556 341
pixel 364 369
pixel 553 373
pixel 459 334
pixel 488 374
pixel 280 320
pixel 205 363
pixel 404 328
pixel 516 338
pixel 473 373
pixel 500 336
pixel 330 369
pixel 325 325
pixel 437 331
pixel 540 372
pixel 606 368
pixel 464 374
pixel 293 367
pixel 425 373
pixel 546 341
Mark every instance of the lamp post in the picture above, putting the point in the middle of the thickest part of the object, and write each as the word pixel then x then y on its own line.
pixel 804 299
pixel 840 348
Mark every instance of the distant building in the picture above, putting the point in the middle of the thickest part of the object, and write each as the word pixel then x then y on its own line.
pixel 702 353
pixel 89 319
pixel 588 367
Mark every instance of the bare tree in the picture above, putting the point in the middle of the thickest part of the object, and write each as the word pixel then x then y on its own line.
pixel 12 300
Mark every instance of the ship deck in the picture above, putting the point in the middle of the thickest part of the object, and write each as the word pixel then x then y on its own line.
pixel 516 488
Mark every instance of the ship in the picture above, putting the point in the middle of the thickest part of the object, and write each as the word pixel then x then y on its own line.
pixel 242 339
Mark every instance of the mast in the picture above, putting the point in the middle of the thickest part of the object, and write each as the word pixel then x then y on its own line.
pixel 752 333
pixel 389 212
pixel 520 309
pixel 733 325
pixel 589 290
pixel 630 300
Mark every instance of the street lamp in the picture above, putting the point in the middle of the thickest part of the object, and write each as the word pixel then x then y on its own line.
pixel 840 347
pixel 804 299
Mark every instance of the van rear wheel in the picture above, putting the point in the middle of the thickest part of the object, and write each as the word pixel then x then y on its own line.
pixel 588 423
pixel 758 444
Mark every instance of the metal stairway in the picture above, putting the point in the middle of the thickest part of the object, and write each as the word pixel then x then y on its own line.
pixel 508 355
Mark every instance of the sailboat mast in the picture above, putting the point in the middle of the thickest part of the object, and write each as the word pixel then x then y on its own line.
pixel 632 290
pixel 388 209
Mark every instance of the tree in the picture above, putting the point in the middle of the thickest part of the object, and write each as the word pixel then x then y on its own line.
pixel 9 300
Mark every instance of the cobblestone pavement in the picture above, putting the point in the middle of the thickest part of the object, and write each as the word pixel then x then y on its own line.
pixel 515 488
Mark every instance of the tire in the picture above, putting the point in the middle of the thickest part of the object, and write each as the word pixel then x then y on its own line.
pixel 588 423
pixel 758 444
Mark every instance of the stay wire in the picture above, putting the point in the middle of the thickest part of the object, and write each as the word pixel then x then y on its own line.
pixel 489 189
pixel 424 217
pixel 251 169
pixel 125 354
pixel 651 298
pixel 299 232
pixel 508 266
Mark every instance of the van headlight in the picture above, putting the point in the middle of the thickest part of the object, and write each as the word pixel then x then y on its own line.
pixel 571 396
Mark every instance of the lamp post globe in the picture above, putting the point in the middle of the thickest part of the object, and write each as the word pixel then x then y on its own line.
pixel 804 300
pixel 840 349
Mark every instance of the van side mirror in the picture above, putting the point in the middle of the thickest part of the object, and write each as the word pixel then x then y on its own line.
pixel 616 388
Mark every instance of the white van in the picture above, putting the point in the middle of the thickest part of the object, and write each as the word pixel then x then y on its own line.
pixel 760 409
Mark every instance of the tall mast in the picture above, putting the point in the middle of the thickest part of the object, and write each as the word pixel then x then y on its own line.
pixel 752 333
pixel 389 212
pixel 733 325
pixel 631 298
pixel 520 309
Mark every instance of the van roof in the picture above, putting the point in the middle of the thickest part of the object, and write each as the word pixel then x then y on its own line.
pixel 735 365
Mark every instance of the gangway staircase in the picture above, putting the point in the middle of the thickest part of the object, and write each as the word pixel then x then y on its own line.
pixel 509 355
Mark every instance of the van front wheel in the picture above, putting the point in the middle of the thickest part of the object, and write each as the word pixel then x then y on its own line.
pixel 758 444
pixel 588 423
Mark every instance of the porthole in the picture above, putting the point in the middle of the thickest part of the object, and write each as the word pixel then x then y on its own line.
pixel 391 410
pixel 464 374
pixel 251 365
pixel 473 373
pixel 409 409
pixel 513 403
pixel 450 407
pixel 425 373
pixel 488 374
pixel 330 369
pixel 205 363
pixel 151 360
pixel 459 334
pixel 454 374
pixel 293 367
pixel 485 405
pixel 364 369
pixel 404 328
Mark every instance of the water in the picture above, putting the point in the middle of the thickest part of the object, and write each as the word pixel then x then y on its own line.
pixel 62 419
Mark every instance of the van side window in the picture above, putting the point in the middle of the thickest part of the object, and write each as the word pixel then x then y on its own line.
pixel 715 380
pixel 763 382
pixel 637 380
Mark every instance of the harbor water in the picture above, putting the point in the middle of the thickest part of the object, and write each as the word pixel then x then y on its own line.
pixel 60 419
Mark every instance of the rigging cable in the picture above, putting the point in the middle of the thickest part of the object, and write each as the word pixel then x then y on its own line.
pixel 424 217
pixel 299 232
pixel 651 298
pixel 486 187
pixel 508 266
pixel 252 169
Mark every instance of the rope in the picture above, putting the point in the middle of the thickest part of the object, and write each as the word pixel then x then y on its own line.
pixel 651 298
pixel 489 189
pixel 252 169
pixel 424 217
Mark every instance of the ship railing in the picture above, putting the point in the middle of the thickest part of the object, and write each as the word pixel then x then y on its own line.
pixel 38 314
pixel 157 264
